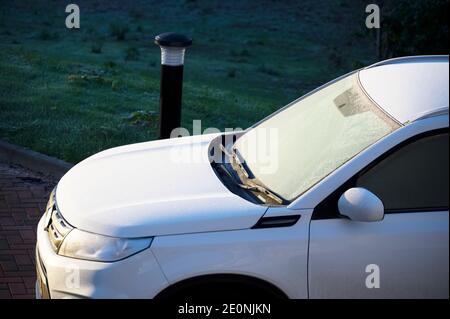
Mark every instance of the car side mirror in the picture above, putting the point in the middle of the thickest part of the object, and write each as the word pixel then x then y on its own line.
pixel 361 205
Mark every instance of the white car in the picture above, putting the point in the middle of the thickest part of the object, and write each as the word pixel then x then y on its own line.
pixel 341 194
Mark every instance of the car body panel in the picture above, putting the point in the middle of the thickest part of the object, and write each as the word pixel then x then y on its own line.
pixel 410 251
pixel 152 189
pixel 276 255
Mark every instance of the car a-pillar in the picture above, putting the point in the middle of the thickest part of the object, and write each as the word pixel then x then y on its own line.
pixel 173 47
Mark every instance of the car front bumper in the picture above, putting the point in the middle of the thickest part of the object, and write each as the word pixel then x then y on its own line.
pixel 138 276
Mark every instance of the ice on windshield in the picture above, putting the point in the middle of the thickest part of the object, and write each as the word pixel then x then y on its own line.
pixel 314 136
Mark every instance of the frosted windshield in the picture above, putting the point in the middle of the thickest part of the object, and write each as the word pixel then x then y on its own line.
pixel 297 147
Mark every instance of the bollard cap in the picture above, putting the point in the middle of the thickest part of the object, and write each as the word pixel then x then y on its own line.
pixel 173 40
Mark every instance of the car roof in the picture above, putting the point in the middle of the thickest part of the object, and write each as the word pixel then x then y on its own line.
pixel 409 88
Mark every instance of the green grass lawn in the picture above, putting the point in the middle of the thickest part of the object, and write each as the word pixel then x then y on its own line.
pixel 70 93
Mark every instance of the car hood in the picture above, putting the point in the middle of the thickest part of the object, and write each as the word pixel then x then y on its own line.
pixel 153 188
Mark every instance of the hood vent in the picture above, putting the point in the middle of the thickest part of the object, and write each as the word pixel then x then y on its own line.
pixel 277 221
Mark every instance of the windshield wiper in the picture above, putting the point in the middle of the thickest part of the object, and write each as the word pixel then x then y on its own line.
pixel 261 189
pixel 235 156
pixel 249 184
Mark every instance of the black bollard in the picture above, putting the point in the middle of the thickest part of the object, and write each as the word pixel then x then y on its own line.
pixel 173 47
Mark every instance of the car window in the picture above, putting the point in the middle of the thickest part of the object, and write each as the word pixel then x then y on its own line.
pixel 296 148
pixel 413 177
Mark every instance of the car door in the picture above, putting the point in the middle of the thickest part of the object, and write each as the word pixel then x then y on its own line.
pixel 405 255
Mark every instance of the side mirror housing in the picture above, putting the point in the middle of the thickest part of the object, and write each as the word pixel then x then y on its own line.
pixel 361 205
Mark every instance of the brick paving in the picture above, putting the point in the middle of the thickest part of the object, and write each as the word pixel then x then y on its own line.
pixel 23 197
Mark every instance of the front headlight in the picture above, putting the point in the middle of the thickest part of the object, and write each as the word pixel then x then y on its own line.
pixel 68 241
pixel 83 245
